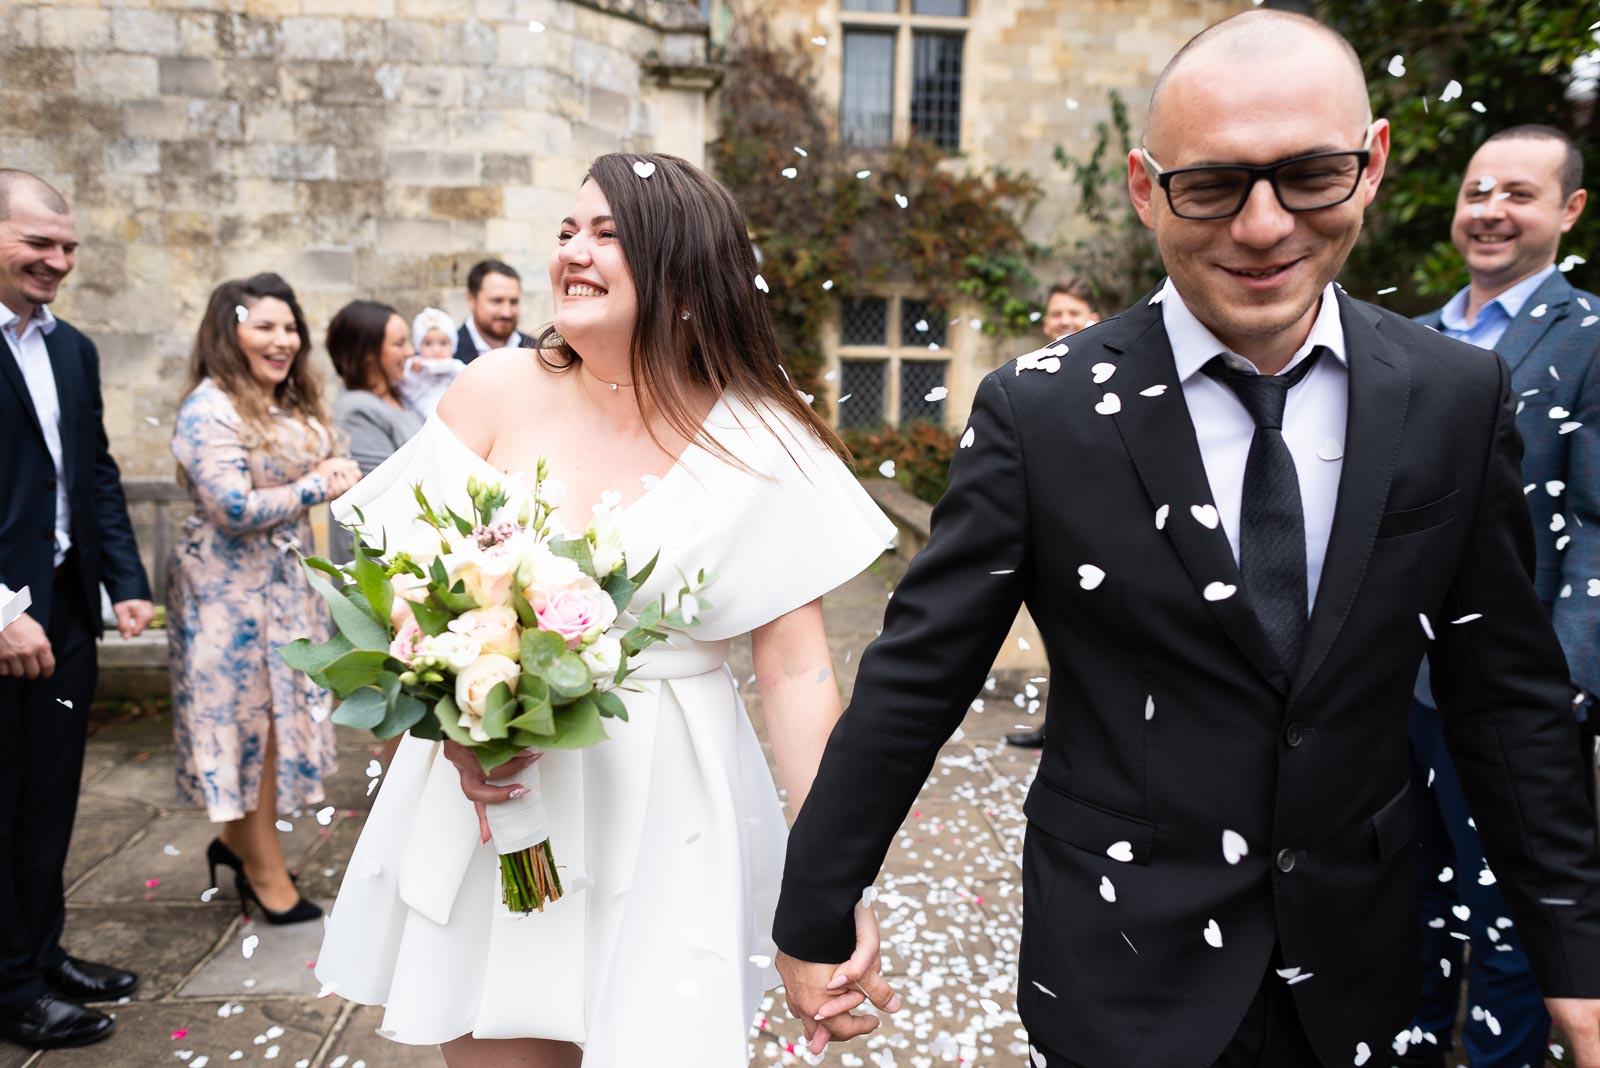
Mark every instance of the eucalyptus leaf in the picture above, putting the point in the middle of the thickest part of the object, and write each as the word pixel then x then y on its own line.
pixel 313 658
pixel 431 619
pixel 537 716
pixel 524 610
pixel 404 714
pixel 611 706
pixel 568 676
pixel 577 726
pixel 374 585
pixel 353 623
pixel 492 754
pixel 364 709
pixel 574 549
pixel 448 717
pixel 498 710
pixel 355 669
pixel 540 649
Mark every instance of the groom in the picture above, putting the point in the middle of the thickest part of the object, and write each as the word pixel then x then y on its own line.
pixel 1240 513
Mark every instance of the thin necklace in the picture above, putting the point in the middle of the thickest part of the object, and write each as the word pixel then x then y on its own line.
pixel 614 386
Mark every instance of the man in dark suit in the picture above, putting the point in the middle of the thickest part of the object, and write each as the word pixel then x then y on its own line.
pixel 1522 190
pixel 63 531
pixel 494 301
pixel 1240 514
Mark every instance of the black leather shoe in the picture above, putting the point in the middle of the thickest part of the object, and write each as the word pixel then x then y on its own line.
pixel 1027 739
pixel 51 1023
pixel 84 980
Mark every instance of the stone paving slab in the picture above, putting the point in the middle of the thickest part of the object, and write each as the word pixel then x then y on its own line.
pixel 279 1033
pixel 165 943
pixel 279 960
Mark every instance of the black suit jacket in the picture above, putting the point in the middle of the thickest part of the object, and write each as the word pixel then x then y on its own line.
pixel 1170 721
pixel 102 536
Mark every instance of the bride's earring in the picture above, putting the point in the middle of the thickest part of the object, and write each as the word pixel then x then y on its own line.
pixel 684 315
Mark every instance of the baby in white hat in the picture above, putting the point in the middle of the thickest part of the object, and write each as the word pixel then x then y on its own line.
pixel 429 373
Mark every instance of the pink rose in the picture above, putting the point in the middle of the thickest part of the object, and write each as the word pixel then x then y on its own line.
pixel 405 645
pixel 577 615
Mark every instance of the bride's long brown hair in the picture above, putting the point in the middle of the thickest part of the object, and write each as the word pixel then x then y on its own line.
pixel 688 249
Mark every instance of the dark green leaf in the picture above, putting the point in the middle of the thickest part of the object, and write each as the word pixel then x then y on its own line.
pixel 537 716
pixel 498 710
pixel 620 589
pixel 313 659
pixel 644 572
pixel 353 623
pixel 431 619
pixel 374 585
pixel 364 709
pixel 357 668
pixel 540 649
pixel 448 717
pixel 525 614
pixel 426 728
pixel 611 706
pixel 492 754
pixel 577 726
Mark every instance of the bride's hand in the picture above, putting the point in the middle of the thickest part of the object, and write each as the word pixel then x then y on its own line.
pixel 857 980
pixel 476 785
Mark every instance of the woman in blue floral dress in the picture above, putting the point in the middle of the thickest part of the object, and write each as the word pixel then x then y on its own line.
pixel 252 438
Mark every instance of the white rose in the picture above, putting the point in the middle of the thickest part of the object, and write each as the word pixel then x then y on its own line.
pixel 543 573
pixel 473 684
pixel 494 629
pixel 408 590
pixel 605 540
pixel 602 657
pixel 455 651
pixel 486 574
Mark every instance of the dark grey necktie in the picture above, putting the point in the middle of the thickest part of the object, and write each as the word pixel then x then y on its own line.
pixel 1272 524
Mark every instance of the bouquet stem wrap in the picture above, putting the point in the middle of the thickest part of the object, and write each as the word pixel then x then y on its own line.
pixel 520 829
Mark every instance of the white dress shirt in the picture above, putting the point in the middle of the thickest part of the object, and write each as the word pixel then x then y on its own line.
pixel 1313 421
pixel 34 359
pixel 483 346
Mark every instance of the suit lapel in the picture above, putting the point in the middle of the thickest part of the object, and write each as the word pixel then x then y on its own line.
pixel 1160 438
pixel 1380 390
pixel 1526 331
pixel 11 371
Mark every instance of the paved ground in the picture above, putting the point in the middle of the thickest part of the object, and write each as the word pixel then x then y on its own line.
pixel 137 879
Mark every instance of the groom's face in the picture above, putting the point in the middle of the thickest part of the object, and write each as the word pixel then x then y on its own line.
pixel 1254 278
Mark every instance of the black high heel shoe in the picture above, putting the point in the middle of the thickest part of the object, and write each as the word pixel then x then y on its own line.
pixel 218 853
pixel 299 912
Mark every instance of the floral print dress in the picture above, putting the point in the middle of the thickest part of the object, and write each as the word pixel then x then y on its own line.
pixel 235 593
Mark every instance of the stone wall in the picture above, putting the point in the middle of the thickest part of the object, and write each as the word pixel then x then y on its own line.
pixel 362 148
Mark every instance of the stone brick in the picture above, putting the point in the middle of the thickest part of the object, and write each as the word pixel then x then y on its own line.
pixel 354 125
pixel 19 27
pixel 329 83
pixel 188 77
pixel 355 9
pixel 132 157
pixel 358 164
pixel 150 33
pixel 415 127
pixel 410 41
pixel 271 9
pixel 197 34
pixel 156 120
pixel 310 162
pixel 365 41
pixel 312 38
pixel 481 202
pixel 470 44
pixel 269 122
pixel 428 9
pixel 250 80
pixel 39 70
pixel 415 235
pixel 119 77
pixel 82 29
pixel 423 86
pixel 431 167
pixel 503 167
pixel 216 120
pixel 248 36
pixel 323 268
pixel 342 197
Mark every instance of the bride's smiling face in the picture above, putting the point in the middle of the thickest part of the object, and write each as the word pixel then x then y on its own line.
pixel 589 278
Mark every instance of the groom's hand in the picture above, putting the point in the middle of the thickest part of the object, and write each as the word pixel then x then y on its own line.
pixel 1579 1020
pixel 821 996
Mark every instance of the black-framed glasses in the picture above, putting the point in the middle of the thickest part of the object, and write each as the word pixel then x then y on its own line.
pixel 1304 183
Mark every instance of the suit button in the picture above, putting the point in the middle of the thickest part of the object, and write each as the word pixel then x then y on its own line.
pixel 1286 860
pixel 1293 736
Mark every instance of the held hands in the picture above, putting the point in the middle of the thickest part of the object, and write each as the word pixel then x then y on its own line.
pixel 338 474
pixel 1579 1020
pixel 25 650
pixel 133 617
pixel 476 785
pixel 821 996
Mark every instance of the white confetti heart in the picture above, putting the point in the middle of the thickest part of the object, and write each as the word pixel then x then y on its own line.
pixel 863 175
pixel 1328 449
pixel 1427 628
pixel 827 285
pixel 1446 874
pixel 1567 428
pixel 1558 523
pixel 790 173
pixel 1219 591
pixel 936 394
pixel 171 850
pixel 1107 891
pixel 1205 515
pixel 249 946
pixel 1554 487
pixel 1213 935
pixel 1036 1057
pixel 1467 618
pixel 241 312
pixel 1288 973
pixel 1161 516
pixel 1461 912
pixel 1102 372
pixel 1153 391
pixel 761 284
pixel 1121 851
pixel 1149 708
pixel 1090 577
pixel 820 42
pixel 643 168
pixel 1589 320
pixel 967 439
pixel 1539 312
pixel 1110 404
pixel 1486 877
pixel 1234 847
pixel 1363 1051
pixel 990 1006
pixel 1451 91
pixel 1558 412
pixel 1397 66
pixel 900 199
pixel 886 469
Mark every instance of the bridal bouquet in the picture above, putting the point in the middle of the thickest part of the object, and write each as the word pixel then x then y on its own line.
pixel 497 631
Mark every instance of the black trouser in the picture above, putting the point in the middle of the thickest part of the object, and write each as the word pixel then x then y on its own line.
pixel 1589 735
pixel 41 763
pixel 1270 1036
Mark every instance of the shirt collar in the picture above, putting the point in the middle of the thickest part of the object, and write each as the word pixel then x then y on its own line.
pixel 42 317
pixel 1453 316
pixel 482 344
pixel 1193 344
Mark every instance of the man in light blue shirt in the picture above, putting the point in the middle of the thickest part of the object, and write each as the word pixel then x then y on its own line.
pixel 1521 192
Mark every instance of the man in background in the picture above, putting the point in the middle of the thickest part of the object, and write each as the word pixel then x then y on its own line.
pixel 1522 191
pixel 1068 308
pixel 64 530
pixel 494 301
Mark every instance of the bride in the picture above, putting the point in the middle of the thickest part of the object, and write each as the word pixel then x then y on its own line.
pixel 660 388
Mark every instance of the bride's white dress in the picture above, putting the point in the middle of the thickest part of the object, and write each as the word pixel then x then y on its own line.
pixel 669 834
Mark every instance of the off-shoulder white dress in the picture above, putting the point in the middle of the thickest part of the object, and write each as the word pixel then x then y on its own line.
pixel 669 834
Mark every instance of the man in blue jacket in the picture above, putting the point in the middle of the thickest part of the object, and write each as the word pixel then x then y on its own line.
pixel 1522 191
pixel 64 531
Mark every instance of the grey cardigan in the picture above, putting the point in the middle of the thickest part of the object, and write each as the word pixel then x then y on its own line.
pixel 375 427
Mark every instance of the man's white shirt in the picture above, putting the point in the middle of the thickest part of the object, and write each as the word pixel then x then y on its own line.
pixel 34 359
pixel 1313 422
